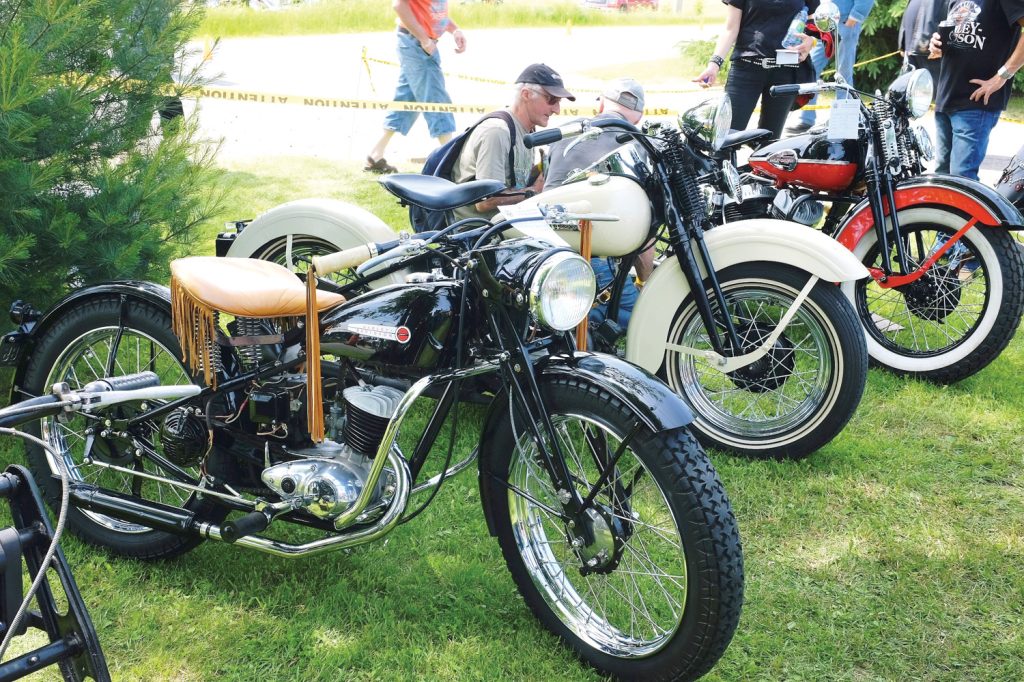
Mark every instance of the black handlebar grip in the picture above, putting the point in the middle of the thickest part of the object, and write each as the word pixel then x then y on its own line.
pixel 253 522
pixel 128 382
pixel 777 90
pixel 531 140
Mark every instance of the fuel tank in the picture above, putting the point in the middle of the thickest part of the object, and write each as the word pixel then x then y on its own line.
pixel 610 194
pixel 410 326
pixel 810 161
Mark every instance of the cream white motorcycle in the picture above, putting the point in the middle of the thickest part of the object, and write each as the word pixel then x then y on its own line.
pixel 744 322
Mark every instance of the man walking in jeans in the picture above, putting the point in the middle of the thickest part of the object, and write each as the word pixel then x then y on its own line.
pixel 852 14
pixel 420 24
pixel 984 53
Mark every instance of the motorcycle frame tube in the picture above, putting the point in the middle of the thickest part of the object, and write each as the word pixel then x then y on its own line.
pixel 731 244
pixel 980 202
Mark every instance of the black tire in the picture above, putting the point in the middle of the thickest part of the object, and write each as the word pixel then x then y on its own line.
pixel 675 501
pixel 795 399
pixel 952 322
pixel 75 349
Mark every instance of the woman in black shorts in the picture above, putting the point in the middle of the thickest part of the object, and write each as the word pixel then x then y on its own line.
pixel 757 28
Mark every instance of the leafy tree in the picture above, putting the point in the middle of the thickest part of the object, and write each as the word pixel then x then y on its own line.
pixel 92 186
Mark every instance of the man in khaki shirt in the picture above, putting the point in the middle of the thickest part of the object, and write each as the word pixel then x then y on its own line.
pixel 539 91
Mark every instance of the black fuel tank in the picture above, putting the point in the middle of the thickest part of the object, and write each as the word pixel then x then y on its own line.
pixel 410 326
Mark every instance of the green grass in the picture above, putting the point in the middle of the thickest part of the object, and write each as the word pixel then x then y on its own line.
pixel 895 553
pixel 357 16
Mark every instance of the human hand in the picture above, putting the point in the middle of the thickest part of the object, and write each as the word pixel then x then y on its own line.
pixel 460 41
pixel 851 22
pixel 707 76
pixel 986 88
pixel 935 47
pixel 807 44
pixel 428 45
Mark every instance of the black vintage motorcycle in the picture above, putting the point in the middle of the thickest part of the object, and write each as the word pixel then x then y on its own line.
pixel 611 519
pixel 946 292
pixel 1011 182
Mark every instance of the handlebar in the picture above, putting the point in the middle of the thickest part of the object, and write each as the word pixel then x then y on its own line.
pixel 542 137
pixel 780 90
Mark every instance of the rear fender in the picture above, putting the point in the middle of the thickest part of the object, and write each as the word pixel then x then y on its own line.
pixel 969 198
pixel 740 242
pixel 653 402
pixel 148 292
pixel 336 222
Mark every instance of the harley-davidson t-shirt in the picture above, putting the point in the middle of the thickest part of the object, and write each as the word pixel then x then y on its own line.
pixel 764 24
pixel 985 34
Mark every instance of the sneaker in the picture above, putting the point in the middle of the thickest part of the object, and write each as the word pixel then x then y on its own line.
pixel 799 127
pixel 380 166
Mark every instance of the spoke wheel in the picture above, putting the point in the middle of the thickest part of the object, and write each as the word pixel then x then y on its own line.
pixel 294 252
pixel 955 319
pixel 86 344
pixel 654 591
pixel 796 397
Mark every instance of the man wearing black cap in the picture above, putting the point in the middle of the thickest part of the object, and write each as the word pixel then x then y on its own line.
pixel 539 91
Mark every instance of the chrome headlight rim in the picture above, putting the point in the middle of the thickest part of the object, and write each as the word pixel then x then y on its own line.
pixel 925 148
pixel 543 284
pixel 707 124
pixel 920 89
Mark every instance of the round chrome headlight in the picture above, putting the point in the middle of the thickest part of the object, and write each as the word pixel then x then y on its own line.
pixel 562 290
pixel 919 92
pixel 707 124
pixel 924 143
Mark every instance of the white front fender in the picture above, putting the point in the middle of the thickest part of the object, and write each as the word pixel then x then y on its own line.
pixel 741 242
pixel 342 224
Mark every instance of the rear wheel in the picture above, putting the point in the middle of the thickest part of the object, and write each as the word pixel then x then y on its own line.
pixel 295 251
pixel 959 316
pixel 102 338
pixel 656 590
pixel 794 399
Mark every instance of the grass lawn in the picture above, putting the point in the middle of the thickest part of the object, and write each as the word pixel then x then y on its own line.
pixel 357 16
pixel 895 553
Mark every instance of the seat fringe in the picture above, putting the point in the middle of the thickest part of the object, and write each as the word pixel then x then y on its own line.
pixel 314 389
pixel 193 323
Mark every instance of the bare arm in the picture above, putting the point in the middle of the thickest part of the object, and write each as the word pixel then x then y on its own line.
pixel 408 19
pixel 725 43
pixel 986 88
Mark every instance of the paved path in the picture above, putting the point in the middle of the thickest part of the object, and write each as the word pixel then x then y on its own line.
pixel 331 66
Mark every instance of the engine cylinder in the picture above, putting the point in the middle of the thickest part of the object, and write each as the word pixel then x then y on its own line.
pixel 368 414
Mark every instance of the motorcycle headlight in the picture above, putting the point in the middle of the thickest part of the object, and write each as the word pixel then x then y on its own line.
pixel 562 290
pixel 919 92
pixel 707 124
pixel 924 143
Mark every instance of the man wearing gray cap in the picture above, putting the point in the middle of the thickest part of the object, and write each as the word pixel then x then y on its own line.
pixel 620 99
pixel 495 151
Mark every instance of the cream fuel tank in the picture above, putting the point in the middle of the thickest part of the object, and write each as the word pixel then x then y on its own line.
pixel 604 194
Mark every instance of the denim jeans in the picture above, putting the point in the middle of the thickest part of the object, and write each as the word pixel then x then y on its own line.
pixel 961 140
pixel 846 56
pixel 605 273
pixel 420 80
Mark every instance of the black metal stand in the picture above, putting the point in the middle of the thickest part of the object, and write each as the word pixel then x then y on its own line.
pixel 74 646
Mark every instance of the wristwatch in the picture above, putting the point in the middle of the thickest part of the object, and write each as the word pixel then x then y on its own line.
pixel 1005 74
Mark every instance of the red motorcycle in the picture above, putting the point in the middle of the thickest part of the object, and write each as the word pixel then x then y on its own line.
pixel 947 283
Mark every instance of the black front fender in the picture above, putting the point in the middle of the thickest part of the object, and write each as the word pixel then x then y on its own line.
pixel 149 292
pixel 651 400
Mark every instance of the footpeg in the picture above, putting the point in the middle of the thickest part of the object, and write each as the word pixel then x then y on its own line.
pixel 251 523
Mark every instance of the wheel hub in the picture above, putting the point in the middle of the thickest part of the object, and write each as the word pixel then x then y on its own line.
pixel 609 534
pixel 932 297
pixel 770 371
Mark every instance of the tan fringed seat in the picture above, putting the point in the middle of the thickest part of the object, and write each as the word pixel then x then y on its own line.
pixel 245 287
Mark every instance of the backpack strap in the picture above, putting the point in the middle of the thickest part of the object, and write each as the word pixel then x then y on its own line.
pixel 510 176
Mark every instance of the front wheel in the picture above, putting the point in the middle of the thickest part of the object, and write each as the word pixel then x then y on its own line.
pixel 959 316
pixel 794 399
pixel 648 583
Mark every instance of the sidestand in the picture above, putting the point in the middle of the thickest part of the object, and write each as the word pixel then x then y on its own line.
pixel 73 646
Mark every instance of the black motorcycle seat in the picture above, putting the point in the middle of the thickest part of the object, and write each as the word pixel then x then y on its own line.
pixel 438 194
pixel 738 138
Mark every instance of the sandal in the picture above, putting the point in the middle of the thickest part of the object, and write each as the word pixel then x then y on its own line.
pixel 380 166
